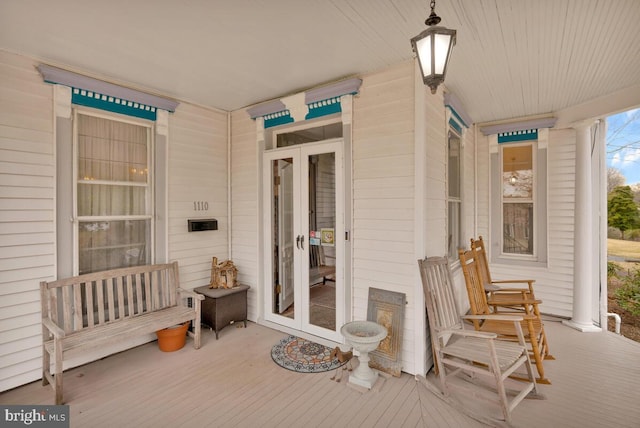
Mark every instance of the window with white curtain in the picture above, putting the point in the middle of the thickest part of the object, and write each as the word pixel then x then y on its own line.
pixel 113 191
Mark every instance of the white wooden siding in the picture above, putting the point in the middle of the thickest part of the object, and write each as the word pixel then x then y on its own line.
pixel 436 212
pixel 197 172
pixel 383 193
pixel 244 205
pixel 554 283
pixel 27 213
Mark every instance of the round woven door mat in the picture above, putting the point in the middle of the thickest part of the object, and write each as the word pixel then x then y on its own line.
pixel 302 356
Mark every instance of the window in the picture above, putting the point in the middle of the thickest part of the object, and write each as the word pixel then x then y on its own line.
pixel 113 191
pixel 309 131
pixel 454 194
pixel 518 186
pixel 518 199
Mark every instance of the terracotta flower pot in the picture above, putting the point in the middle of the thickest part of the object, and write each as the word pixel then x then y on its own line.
pixel 172 338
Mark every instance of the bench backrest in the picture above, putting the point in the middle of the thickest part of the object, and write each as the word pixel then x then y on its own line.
pixel 98 298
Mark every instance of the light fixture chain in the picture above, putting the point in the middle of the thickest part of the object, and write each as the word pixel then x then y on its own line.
pixel 433 19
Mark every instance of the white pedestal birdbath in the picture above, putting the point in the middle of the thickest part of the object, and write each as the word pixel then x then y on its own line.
pixel 364 336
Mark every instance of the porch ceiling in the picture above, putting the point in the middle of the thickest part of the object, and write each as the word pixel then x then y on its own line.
pixel 512 59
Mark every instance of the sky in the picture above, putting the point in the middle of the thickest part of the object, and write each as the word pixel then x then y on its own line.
pixel 623 144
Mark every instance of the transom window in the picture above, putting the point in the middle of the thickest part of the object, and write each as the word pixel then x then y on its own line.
pixel 113 192
pixel 309 131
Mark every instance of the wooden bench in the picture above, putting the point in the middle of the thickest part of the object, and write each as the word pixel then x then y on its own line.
pixel 95 310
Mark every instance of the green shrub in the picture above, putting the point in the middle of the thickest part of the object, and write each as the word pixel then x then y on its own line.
pixel 633 235
pixel 612 269
pixel 613 233
pixel 628 294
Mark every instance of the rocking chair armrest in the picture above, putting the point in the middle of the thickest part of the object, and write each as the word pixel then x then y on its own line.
pixel 490 287
pixel 470 333
pixel 514 281
pixel 498 317
pixel 522 291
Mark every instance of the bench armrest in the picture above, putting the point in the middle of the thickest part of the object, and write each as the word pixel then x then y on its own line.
pixel 190 293
pixel 53 328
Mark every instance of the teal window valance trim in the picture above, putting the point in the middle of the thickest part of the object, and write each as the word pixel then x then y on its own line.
pixel 514 136
pixel 316 109
pixel 324 108
pixel 99 94
pixel 455 125
pixel 112 104
pixel 456 117
pixel 278 118
pixel 522 125
pixel 319 102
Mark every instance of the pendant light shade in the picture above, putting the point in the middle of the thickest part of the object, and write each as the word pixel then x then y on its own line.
pixel 433 47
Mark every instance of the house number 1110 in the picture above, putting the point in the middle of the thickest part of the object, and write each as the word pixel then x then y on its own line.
pixel 200 206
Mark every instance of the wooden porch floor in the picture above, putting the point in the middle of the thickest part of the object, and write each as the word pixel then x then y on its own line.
pixel 233 382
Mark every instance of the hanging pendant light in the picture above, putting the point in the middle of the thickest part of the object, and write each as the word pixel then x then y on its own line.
pixel 433 48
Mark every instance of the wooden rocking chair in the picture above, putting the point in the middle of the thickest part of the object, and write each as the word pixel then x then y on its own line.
pixel 506 302
pixel 472 361
pixel 477 245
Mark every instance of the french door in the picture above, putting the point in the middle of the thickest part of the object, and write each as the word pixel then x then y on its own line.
pixel 304 230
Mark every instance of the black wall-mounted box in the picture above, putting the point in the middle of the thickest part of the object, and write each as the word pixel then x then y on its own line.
pixel 203 224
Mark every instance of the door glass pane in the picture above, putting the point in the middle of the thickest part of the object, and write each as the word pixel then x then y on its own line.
pixel 283 233
pixel 105 245
pixel 322 251
pixel 518 228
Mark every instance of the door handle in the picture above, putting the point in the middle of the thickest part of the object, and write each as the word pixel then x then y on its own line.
pixel 302 242
pixel 298 242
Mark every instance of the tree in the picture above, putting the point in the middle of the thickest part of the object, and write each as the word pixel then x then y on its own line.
pixel 622 210
pixel 635 188
pixel 615 178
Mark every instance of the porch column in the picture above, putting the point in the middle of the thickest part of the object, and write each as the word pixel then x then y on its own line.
pixel 583 279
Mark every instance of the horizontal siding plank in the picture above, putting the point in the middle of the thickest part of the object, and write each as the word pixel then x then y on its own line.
pixel 12 299
pixel 7 252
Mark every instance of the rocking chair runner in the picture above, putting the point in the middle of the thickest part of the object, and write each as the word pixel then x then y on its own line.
pixel 505 301
pixel 478 355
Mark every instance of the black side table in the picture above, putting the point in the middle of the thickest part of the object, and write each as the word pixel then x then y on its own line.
pixel 223 306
